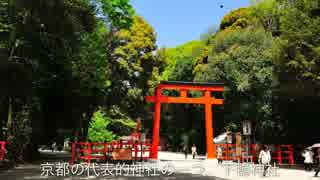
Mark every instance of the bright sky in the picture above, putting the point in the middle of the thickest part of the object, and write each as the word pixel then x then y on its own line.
pixel 179 21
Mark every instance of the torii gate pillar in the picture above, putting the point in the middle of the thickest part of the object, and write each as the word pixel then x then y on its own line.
pixel 183 87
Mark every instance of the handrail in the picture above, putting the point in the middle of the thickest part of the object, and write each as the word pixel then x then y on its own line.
pixel 230 152
pixel 89 148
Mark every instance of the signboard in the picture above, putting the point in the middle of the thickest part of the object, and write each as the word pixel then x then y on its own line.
pixel 246 127
pixel 122 154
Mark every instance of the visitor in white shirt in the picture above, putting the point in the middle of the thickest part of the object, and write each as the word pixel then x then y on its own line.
pixel 265 158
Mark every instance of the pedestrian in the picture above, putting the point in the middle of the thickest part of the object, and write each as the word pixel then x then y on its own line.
pixel 185 150
pixel 308 159
pixel 194 151
pixel 264 159
pixel 53 146
pixel 318 163
pixel 219 155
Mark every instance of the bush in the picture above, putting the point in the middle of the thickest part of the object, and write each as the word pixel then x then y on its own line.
pixel 109 125
pixel 98 131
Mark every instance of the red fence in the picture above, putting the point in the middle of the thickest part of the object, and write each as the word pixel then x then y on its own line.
pixel 284 152
pixel 2 149
pixel 88 151
pixel 250 152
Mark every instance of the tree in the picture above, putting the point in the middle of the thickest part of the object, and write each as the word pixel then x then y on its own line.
pixel 118 13
pixel 267 13
pixel 37 38
pixel 242 60
pixel 238 18
pixel 90 67
pixel 53 43
pixel 299 47
pixel 133 65
pixel 91 74
pixel 183 56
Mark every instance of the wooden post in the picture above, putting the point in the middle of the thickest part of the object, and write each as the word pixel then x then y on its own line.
pixel 238 146
pixel 135 151
pixel 2 150
pixel 89 152
pixel 156 126
pixel 105 151
pixel 209 130
pixel 279 155
pixel 183 93
pixel 73 152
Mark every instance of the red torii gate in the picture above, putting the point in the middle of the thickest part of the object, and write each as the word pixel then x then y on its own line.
pixel 183 88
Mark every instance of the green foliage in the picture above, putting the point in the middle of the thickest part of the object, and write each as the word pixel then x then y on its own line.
pixel 242 60
pixel 238 18
pixel 300 46
pixel 20 128
pixel 109 124
pixel 267 50
pixel 133 65
pixel 182 70
pixel 98 131
pixel 54 30
pixel 267 13
pixel 184 56
pixel 118 12
pixel 206 37
pixel 121 124
pixel 39 40
pixel 134 53
pixel 90 67
pixel 63 46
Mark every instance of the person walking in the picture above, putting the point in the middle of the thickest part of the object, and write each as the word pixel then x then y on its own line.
pixel 194 151
pixel 308 159
pixel 53 146
pixel 185 150
pixel 264 159
pixel 219 155
pixel 318 163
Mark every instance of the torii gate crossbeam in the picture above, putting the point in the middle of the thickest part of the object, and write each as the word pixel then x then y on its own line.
pixel 183 88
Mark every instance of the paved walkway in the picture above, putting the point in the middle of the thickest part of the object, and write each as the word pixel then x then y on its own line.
pixel 211 168
pixel 187 169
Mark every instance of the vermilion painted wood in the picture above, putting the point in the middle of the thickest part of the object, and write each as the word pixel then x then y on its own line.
pixel 2 149
pixel 88 148
pixel 156 126
pixel 183 88
pixel 229 151
pixel 216 88
pixel 184 100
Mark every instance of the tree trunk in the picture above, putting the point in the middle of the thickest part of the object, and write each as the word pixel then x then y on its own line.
pixel 87 123
pixel 10 120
